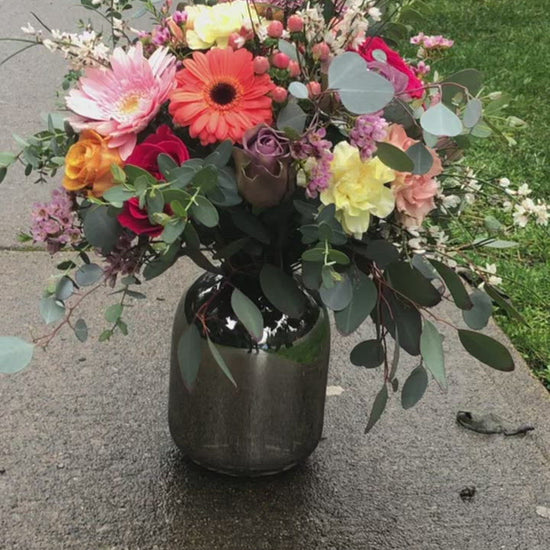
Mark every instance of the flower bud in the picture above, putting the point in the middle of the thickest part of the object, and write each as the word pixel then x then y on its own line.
pixel 314 88
pixel 279 94
pixel 293 68
pixel 321 51
pixel 275 29
pixel 261 64
pixel 295 23
pixel 280 60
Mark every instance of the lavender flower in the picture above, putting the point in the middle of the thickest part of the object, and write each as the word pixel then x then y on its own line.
pixel 55 223
pixel 367 131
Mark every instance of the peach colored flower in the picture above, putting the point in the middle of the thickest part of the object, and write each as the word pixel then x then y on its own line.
pixel 414 194
pixel 88 164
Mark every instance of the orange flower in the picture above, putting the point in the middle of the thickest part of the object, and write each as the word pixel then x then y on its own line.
pixel 88 164
pixel 219 97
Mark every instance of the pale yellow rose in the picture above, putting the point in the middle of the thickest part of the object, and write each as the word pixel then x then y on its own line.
pixel 357 189
pixel 209 26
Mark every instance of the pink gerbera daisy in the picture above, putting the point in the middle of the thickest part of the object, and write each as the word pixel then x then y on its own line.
pixel 121 101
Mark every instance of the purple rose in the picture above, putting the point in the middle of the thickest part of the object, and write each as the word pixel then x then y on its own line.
pixel 266 146
pixel 264 172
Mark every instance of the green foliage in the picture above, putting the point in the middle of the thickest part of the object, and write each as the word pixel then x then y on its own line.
pixel 15 354
pixel 487 350
pixel 365 295
pixel 189 353
pixel 378 407
pixel 282 291
pixel 431 349
pixel 369 354
pixel 518 36
pixel 414 387
pixel 248 313
pixel 220 361
pixel 360 91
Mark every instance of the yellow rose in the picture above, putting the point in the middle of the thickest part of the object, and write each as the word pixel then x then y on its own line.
pixel 357 189
pixel 88 164
pixel 209 26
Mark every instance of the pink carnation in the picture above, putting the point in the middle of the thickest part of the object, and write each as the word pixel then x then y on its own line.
pixel 119 102
pixel 414 194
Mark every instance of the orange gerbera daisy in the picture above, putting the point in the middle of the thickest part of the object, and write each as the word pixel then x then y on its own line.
pixel 219 97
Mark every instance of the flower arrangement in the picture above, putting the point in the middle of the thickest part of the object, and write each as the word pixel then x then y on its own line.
pixel 291 141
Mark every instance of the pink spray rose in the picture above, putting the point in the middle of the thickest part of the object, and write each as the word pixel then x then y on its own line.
pixel 414 194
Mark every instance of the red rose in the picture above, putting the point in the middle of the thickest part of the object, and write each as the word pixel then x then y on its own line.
pixel 137 220
pixel 415 85
pixel 145 154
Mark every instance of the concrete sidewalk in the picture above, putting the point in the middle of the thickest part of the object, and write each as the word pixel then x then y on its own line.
pixel 88 462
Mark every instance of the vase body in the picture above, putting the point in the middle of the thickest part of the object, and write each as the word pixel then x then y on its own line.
pixel 273 419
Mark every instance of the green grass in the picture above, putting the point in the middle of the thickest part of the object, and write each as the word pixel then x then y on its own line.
pixel 510 43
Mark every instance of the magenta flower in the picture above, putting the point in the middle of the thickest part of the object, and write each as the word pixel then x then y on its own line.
pixel 119 102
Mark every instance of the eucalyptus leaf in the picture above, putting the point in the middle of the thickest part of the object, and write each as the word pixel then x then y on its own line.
pixel 173 230
pixel 454 285
pixel 503 303
pixel 414 387
pixel 381 251
pixel 248 314
pixel 166 164
pixel 288 49
pixel 365 296
pixel 298 90
pixel 51 309
pixel 101 228
pixel 282 291
pixel 221 155
pixel 64 289
pixel 118 195
pixel 472 113
pixel 361 91
pixel 421 157
pixel 441 121
pixel 339 296
pixel 81 330
pixel 292 116
pixel 431 348
pixel 15 354
pixel 478 316
pixel 377 408
pixel 220 361
pixel 410 282
pixel 311 274
pixel 368 354
pixel 205 212
pixel 113 313
pixel 250 224
pixel 88 274
pixel 487 350
pixel 189 352
pixel 393 157
pixel 471 79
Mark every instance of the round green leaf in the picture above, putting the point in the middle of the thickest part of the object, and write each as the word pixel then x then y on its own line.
pixel 478 316
pixel 394 158
pixel 421 157
pixel 368 354
pixel 88 275
pixel 441 121
pixel 248 313
pixel 205 212
pixel 101 228
pixel 487 350
pixel 298 90
pixel 414 387
pixel 361 91
pixel 189 355
pixel 292 116
pixel 338 296
pixel 431 349
pixel 472 113
pixel 15 354
pixel 81 330
pixel 282 291
pixel 64 288
pixel 51 309
pixel 364 299
pixel 113 313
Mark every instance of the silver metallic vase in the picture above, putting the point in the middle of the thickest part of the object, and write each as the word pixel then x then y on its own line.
pixel 274 418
